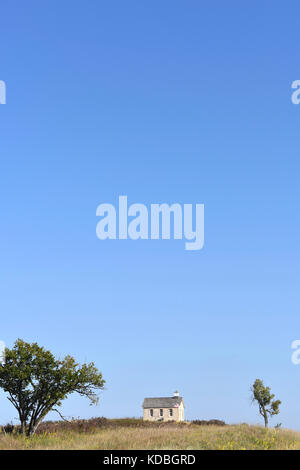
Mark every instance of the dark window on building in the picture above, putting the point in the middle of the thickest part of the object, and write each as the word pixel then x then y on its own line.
pixel 161 412
pixel 171 412
pixel 151 413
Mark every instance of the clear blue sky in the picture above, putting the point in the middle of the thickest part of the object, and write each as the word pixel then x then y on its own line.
pixel 171 101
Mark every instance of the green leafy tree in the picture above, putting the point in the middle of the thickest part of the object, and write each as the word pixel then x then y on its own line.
pixel 37 383
pixel 263 396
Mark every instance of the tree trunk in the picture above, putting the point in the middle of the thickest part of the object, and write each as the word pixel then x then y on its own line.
pixel 266 420
pixel 33 427
pixel 30 431
pixel 23 424
pixel 23 427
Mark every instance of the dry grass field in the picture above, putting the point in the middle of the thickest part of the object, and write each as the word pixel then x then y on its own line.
pixel 131 434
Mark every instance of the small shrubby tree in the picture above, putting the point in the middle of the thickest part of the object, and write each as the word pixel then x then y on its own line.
pixel 36 382
pixel 263 396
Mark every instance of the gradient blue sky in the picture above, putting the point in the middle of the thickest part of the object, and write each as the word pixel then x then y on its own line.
pixel 171 101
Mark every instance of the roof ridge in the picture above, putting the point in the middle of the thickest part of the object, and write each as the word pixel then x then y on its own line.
pixel 163 397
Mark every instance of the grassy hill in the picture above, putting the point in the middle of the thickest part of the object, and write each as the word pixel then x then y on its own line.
pixel 100 433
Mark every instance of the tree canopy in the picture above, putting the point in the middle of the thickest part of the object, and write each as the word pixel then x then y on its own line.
pixel 37 382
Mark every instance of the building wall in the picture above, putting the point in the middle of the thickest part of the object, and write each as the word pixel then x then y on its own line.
pixel 178 414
